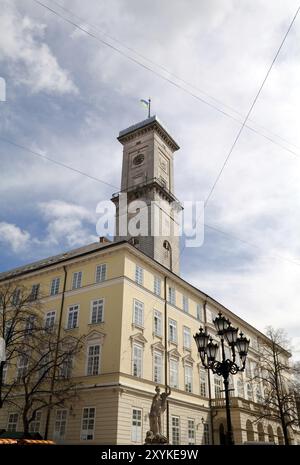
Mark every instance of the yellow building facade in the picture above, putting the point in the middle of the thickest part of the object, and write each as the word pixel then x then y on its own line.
pixel 138 317
pixel 114 295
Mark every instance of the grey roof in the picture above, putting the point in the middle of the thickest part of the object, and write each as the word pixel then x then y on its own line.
pixel 54 259
pixel 147 122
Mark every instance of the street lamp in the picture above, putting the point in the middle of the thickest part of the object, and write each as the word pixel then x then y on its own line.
pixel 208 349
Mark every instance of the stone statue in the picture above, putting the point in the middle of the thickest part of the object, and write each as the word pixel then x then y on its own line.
pixel 159 405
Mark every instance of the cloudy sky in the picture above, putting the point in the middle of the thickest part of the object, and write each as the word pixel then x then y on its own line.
pixel 69 94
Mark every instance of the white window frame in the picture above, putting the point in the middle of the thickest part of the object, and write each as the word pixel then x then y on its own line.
pixel 173 335
pixel 174 373
pixel 185 303
pixel 72 309
pixel 218 387
pixel 188 378
pixel 158 367
pixel 93 357
pixel 136 428
pixel 101 273
pixel 29 324
pixel 22 366
pixel 139 275
pixel 138 313
pixel 51 315
pixel 54 287
pixel 157 286
pixel 157 316
pixel 140 347
pixel 172 295
pixel 175 427
pixel 206 434
pixel 199 311
pixel 16 422
pixel 36 421
pixel 187 338
pixel 76 280
pixel 88 431
pixel 60 422
pixel 203 382
pixel 34 294
pixel 93 304
pixel 191 429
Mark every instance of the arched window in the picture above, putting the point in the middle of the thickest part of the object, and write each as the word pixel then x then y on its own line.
pixel 270 434
pixel 261 434
pixel 249 430
pixel 280 436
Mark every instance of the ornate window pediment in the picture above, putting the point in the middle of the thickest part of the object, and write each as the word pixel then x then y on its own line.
pixel 95 336
pixel 138 337
pixel 173 353
pixel 158 346
pixel 188 360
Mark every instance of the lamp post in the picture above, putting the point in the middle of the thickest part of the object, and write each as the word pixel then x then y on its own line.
pixel 207 349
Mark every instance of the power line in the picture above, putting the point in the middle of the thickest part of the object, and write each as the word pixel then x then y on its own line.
pixel 251 108
pixel 246 118
pixel 170 81
pixel 59 163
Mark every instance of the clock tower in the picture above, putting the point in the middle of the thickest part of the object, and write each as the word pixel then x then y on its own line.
pixel 148 177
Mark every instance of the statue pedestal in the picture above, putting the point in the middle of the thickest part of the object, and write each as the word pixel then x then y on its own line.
pixel 157 439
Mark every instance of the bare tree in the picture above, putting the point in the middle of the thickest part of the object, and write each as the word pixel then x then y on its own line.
pixel 40 357
pixel 274 374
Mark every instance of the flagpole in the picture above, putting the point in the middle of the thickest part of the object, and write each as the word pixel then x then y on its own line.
pixel 149 107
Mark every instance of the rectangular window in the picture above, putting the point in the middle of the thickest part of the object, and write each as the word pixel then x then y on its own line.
pixel 218 387
pixel 191 432
pixel 29 324
pixel 93 363
pixel 12 422
pixel 34 292
pixel 188 378
pixel 54 289
pixel 16 296
pixel 174 373
pixel 97 314
pixel 175 430
pixel 187 344
pixel 50 320
pixel 157 323
pixel 35 425
pixel 101 273
pixel 172 299
pixel 77 278
pixel 157 285
pixel 139 275
pixel 172 330
pixel 136 427
pixel 73 316
pixel 199 312
pixel 240 385
pixel 88 424
pixel 60 423
pixel 205 439
pixel 65 369
pixel 202 382
pixel 137 360
pixel 4 373
pixel 138 313
pixel 248 369
pixel 157 367
pixel 185 304
pixel 22 366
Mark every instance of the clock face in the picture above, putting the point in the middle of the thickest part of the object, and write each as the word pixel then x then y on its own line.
pixel 138 159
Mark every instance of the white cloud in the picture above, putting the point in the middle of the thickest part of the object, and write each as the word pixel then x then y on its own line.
pixel 14 237
pixel 31 60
